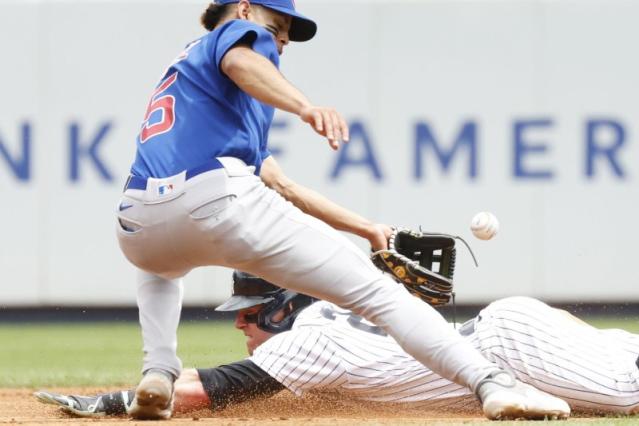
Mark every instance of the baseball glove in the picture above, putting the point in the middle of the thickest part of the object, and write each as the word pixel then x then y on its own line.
pixel 411 258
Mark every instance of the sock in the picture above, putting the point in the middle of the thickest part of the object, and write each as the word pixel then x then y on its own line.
pixel 163 372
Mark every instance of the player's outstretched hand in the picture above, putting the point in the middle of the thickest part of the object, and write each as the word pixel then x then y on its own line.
pixel 327 122
pixel 379 235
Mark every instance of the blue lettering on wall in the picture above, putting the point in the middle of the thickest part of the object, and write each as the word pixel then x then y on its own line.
pixel 595 146
pixel 358 136
pixel 525 148
pixel 21 164
pixel 277 151
pixel 606 140
pixel 79 150
pixel 467 138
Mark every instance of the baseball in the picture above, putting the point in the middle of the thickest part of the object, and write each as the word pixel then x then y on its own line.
pixel 484 225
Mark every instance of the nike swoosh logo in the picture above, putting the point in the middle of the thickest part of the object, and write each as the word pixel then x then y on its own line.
pixel 125 206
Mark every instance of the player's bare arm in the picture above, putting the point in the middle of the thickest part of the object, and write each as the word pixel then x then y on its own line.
pixel 258 77
pixel 315 204
pixel 189 392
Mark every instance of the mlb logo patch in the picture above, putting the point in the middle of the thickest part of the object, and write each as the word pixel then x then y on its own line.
pixel 165 189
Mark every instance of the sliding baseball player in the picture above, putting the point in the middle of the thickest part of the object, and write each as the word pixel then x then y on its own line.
pixel 300 344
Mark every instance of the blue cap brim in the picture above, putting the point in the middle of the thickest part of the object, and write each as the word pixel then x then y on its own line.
pixel 302 28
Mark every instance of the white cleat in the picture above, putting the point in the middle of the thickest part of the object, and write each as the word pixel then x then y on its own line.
pixel 153 397
pixel 505 398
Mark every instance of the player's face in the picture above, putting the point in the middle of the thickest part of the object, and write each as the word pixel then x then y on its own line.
pixel 276 23
pixel 255 336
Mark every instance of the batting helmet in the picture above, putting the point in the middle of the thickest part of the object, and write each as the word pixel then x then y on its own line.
pixel 249 290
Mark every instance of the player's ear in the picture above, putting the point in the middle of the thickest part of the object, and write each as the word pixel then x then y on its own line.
pixel 243 9
pixel 278 316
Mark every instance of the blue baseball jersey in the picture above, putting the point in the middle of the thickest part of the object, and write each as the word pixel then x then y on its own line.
pixel 197 113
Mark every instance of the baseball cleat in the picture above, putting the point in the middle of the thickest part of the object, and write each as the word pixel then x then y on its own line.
pixel 82 406
pixel 153 397
pixel 505 398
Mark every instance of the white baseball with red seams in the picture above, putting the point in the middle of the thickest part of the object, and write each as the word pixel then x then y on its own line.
pixel 484 225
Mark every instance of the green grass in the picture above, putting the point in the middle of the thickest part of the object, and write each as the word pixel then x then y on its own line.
pixel 630 324
pixel 102 354
pixel 110 354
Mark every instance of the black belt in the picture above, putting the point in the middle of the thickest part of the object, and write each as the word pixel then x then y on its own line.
pixel 139 182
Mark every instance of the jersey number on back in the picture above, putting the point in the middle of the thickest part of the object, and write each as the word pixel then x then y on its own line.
pixel 355 321
pixel 163 104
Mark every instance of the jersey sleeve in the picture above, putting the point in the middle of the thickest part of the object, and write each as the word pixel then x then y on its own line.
pixel 236 382
pixel 240 31
pixel 302 360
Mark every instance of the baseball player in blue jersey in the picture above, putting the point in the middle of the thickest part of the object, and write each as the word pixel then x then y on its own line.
pixel 301 345
pixel 204 190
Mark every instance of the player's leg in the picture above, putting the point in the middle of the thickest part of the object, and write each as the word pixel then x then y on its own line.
pixel 155 236
pixel 285 246
pixel 159 303
pixel 626 342
pixel 592 369
pixel 236 221
pixel 270 238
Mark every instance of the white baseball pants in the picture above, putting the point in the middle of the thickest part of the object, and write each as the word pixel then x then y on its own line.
pixel 591 369
pixel 228 217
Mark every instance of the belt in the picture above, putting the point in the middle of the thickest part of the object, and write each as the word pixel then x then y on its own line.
pixel 139 182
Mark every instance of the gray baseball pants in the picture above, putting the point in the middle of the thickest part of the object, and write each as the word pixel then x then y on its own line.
pixel 228 217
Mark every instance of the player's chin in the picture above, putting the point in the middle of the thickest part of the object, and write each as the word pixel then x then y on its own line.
pixel 250 346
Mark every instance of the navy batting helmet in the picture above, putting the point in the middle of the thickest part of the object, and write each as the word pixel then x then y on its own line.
pixel 249 290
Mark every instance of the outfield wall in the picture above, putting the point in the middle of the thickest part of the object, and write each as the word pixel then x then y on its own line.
pixel 524 108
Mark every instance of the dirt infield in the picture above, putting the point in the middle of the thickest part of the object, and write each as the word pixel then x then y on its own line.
pixel 18 406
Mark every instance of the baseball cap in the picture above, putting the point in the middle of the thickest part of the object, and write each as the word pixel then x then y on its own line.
pixel 302 28
pixel 248 291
